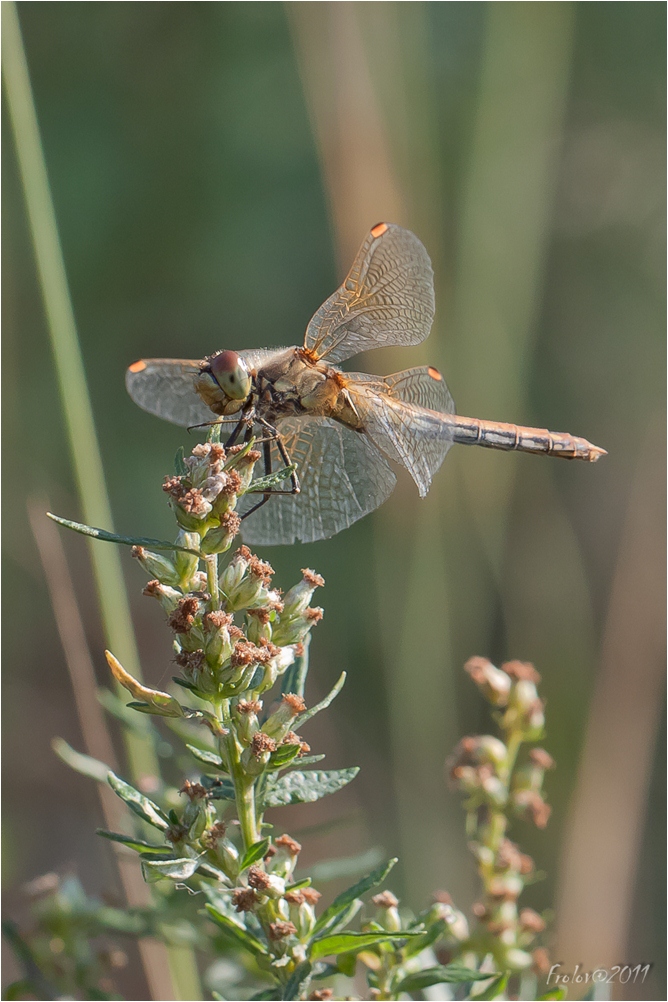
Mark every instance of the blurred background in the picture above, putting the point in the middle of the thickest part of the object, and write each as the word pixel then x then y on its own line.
pixel 214 167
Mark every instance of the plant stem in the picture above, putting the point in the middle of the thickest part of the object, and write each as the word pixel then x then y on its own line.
pixel 244 792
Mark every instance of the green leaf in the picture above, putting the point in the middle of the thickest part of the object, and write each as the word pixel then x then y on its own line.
pixel 346 964
pixel 112 537
pixel 180 467
pixel 84 764
pixel 496 988
pixel 340 921
pixel 133 843
pixel 450 974
pixel 272 480
pixel 297 886
pixel 207 757
pixel 322 705
pixel 254 852
pixel 297 986
pixel 174 869
pixel 283 756
pixel 426 939
pixel 305 787
pixel 138 803
pixel 556 993
pixel 374 878
pixel 347 942
pixel 161 704
pixel 233 929
pixel 223 790
pixel 311 759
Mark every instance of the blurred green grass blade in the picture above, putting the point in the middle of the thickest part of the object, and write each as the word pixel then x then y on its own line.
pixel 75 399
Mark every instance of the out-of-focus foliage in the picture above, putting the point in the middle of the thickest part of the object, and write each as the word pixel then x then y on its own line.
pixel 194 215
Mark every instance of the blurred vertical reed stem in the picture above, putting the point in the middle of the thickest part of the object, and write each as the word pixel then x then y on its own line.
pixel 77 410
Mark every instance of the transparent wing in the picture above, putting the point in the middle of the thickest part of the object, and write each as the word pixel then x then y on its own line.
pixel 343 477
pixel 164 386
pixel 407 416
pixel 387 298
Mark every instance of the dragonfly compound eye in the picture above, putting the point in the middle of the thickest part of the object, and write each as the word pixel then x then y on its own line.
pixel 231 374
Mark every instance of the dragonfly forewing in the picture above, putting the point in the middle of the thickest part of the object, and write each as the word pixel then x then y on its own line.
pixel 386 299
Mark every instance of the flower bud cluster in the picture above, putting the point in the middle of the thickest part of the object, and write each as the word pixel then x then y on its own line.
pixel 286 912
pixel 218 658
pixel 485 768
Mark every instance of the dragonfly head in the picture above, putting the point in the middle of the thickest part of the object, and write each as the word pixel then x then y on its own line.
pixel 224 382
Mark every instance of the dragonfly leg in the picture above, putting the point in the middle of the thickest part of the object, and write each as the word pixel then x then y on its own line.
pixel 274 436
pixel 266 448
pixel 234 434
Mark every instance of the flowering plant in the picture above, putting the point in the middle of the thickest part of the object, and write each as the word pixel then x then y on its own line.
pixel 238 706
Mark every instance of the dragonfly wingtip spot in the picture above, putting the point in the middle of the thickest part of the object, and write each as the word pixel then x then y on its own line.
pixel 378 230
pixel 434 373
pixel 137 366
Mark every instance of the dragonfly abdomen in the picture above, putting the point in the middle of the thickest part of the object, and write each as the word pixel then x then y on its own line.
pixel 498 435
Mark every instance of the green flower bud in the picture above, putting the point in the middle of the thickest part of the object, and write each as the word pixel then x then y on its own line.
pixel 493 683
pixel 268 884
pixel 157 565
pixel 299 597
pixel 248 725
pixel 284 859
pixel 218 644
pixel 301 911
pixel 218 539
pixel 279 723
pixel 387 914
pixel 258 625
pixel 255 758
pixel 169 598
pixel 293 629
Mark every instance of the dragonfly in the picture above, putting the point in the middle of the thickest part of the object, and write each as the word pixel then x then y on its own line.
pixel 337 432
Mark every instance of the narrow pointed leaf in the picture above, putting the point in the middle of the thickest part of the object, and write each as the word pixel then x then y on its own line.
pixel 497 989
pixel 449 974
pixel 174 869
pixel 254 852
pixel 323 704
pixel 283 756
pixel 161 703
pixel 272 480
pixel 342 919
pixel 180 467
pixel 84 764
pixel 133 843
pixel 206 757
pixel 305 787
pixel 138 803
pixel 235 931
pixel 297 986
pixel 349 942
pixel 374 878
pixel 224 790
pixel 112 537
